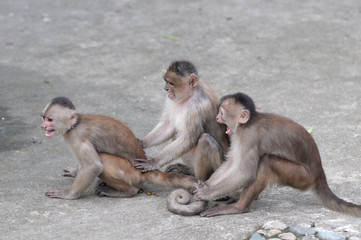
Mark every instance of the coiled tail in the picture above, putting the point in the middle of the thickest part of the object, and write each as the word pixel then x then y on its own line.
pixel 180 201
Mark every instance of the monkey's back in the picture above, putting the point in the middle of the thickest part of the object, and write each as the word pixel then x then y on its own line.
pixel 108 135
pixel 285 138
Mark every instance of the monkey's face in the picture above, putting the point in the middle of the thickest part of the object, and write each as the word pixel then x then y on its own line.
pixel 176 87
pixel 48 125
pixel 56 120
pixel 228 114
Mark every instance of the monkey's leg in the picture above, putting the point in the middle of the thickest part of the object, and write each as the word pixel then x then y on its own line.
pixel 293 174
pixel 272 170
pixel 207 157
pixel 121 191
pixel 265 175
pixel 121 178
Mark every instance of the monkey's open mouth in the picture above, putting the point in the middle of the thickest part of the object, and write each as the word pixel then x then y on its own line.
pixel 229 131
pixel 50 133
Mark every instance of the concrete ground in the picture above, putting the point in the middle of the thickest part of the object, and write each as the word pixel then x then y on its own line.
pixel 300 59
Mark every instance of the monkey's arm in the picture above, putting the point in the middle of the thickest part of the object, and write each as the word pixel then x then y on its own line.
pixel 186 138
pixel 90 168
pixel 161 133
pixel 232 175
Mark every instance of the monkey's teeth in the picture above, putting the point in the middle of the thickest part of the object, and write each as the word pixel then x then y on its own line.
pixel 50 133
pixel 229 131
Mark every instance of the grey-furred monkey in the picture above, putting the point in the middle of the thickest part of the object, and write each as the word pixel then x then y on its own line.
pixel 189 120
pixel 265 149
pixel 105 148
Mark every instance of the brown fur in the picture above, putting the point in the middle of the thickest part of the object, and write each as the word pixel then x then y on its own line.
pixel 105 148
pixel 265 149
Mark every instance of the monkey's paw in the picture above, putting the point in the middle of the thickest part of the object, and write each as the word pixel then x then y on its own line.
pixel 146 165
pixel 201 191
pixel 70 172
pixel 58 194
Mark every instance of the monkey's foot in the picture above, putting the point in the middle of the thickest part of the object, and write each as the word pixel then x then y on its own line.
pixel 202 191
pixel 107 191
pixel 146 165
pixel 220 210
pixel 70 172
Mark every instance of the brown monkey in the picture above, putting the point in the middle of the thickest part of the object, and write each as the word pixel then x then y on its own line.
pixel 265 149
pixel 189 119
pixel 105 148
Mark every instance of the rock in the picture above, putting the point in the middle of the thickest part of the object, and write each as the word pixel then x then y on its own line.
pixel 274 225
pixel 269 233
pixel 257 236
pixel 301 231
pixel 330 236
pixel 287 236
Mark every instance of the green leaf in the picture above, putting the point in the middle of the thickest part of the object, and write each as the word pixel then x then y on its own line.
pixel 171 37
pixel 310 130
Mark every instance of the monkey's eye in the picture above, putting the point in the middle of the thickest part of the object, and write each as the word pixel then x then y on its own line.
pixel 50 119
pixel 167 82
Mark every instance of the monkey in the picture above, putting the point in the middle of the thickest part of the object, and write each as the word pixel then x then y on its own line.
pixel 266 149
pixel 188 119
pixel 105 148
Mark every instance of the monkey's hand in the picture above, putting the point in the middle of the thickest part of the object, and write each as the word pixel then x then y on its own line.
pixel 201 191
pixel 59 194
pixel 147 164
pixel 70 172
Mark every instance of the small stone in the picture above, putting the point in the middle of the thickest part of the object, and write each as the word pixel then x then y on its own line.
pixel 274 225
pixel 301 231
pixel 330 236
pixel 274 239
pixel 257 236
pixel 269 233
pixel 287 236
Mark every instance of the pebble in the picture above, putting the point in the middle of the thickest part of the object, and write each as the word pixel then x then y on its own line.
pixel 330 236
pixel 301 231
pixel 278 230
pixel 257 236
pixel 274 225
pixel 287 236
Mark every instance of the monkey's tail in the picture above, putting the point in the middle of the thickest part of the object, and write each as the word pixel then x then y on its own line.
pixel 330 200
pixel 180 202
pixel 170 180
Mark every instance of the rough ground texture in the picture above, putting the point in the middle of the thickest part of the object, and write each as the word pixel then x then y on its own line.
pixel 300 59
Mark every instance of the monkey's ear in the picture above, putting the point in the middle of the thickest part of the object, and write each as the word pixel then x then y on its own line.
pixel 194 80
pixel 244 117
pixel 73 117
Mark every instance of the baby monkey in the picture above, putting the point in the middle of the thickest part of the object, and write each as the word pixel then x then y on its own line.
pixel 105 148
pixel 265 149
